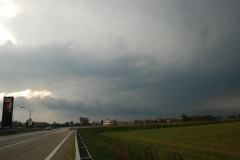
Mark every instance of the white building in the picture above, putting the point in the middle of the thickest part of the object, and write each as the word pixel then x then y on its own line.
pixel 107 122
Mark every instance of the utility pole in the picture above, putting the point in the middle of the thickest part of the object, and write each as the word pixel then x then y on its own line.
pixel 30 119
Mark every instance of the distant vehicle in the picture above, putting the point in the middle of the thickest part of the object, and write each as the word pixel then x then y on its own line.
pixel 49 128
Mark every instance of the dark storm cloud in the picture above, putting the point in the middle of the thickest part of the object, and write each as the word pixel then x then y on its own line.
pixel 164 58
pixel 139 83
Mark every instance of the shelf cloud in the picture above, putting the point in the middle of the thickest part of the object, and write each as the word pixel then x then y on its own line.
pixel 123 60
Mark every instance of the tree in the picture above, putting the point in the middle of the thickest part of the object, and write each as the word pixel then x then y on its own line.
pixel 183 117
pixel 84 121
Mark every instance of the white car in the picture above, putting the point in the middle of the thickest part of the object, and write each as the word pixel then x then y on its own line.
pixel 49 128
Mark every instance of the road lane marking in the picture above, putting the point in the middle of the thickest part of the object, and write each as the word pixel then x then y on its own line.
pixel 28 134
pixel 20 135
pixel 18 143
pixel 56 149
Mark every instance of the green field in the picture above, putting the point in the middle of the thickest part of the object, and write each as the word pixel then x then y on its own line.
pixel 179 141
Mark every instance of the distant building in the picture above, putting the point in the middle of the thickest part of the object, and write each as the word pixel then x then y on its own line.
pixel 169 120
pixel 147 121
pixel 139 122
pixel 107 122
pixel 159 120
pixel 131 122
pixel 235 116
pixel 122 123
pixel 96 123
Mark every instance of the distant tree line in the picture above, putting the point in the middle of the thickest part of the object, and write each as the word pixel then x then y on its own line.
pixel 185 118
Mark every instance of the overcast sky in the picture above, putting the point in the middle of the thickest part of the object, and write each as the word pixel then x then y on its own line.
pixel 120 59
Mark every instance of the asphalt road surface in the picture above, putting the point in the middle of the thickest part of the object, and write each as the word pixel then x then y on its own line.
pixel 42 145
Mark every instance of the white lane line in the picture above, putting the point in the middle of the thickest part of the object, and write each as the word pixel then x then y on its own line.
pixel 18 143
pixel 20 135
pixel 56 149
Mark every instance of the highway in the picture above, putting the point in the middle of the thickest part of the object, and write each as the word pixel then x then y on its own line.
pixel 41 145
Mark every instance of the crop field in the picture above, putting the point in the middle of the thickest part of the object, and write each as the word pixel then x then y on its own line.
pixel 203 142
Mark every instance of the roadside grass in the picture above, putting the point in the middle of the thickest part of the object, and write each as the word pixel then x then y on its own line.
pixel 99 149
pixel 201 142
pixel 71 149
pixel 219 141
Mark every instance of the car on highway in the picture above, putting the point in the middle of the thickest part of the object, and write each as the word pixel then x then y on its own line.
pixel 49 128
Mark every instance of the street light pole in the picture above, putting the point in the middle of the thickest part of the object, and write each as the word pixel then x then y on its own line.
pixel 30 119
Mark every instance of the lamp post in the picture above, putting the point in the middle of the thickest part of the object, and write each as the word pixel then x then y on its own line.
pixel 30 119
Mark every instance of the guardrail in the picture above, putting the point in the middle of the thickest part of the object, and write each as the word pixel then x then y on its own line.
pixel 82 152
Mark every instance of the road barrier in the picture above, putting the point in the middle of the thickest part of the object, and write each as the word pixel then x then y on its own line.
pixel 82 152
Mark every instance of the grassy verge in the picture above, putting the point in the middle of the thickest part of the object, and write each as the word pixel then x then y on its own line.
pixel 99 148
pixel 186 141
pixel 218 141
pixel 71 149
